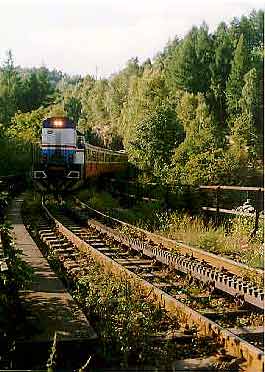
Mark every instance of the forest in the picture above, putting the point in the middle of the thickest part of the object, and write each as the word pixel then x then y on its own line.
pixel 191 115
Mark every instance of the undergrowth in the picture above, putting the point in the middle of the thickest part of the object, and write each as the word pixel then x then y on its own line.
pixel 231 238
pixel 13 278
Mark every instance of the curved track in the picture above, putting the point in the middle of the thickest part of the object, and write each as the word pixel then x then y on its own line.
pixel 224 274
pixel 157 274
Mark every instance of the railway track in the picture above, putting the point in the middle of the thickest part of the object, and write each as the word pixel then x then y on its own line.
pixel 215 260
pixel 197 302
pixel 224 274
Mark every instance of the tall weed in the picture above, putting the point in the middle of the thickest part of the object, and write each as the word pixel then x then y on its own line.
pixel 234 241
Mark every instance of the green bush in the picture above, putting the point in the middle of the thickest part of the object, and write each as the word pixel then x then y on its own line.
pixel 211 241
pixel 103 201
pixel 15 157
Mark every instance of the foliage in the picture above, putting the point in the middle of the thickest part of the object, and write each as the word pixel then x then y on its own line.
pixel 15 156
pixel 125 320
pixel 15 278
pixel 10 84
pixel 229 239
pixel 188 67
pixel 102 201
pixel 19 273
pixel 22 93
pixel 220 68
pixel 193 114
pixel 27 126
pixel 73 108
pixel 243 131
pixel 150 126
pixel 197 158
pixel 142 214
pixel 154 139
pixel 240 66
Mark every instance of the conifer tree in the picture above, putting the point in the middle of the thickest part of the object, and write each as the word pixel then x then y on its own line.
pixel 188 67
pixel 240 66
pixel 220 69
pixel 10 86
pixel 243 129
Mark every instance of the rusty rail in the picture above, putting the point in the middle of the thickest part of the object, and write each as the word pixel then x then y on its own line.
pixel 235 345
pixel 191 264
pixel 222 281
pixel 238 188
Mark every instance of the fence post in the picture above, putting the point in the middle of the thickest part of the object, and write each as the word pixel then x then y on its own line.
pixel 217 199
pixel 167 197
pixel 257 211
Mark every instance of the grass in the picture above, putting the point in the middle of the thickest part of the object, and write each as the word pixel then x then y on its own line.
pixel 123 317
pixel 143 214
pixel 98 200
pixel 232 238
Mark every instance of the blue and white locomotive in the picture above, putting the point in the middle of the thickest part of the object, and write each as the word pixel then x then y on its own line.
pixel 65 159
pixel 62 150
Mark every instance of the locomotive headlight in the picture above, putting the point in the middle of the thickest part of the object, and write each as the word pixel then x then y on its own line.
pixel 58 123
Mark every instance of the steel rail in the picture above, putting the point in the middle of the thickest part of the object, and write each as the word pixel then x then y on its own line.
pixel 231 284
pixel 238 347
pixel 218 261
pixel 236 188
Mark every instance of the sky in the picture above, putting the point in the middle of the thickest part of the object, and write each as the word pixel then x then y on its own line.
pixel 98 37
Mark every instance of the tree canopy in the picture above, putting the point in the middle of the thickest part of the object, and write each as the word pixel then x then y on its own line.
pixel 192 114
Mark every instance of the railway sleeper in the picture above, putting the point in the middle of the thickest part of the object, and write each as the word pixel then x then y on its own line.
pixel 235 345
pixel 179 337
pixel 227 283
pixel 208 272
pixel 45 231
pixel 231 314
pixel 248 331
pixel 47 236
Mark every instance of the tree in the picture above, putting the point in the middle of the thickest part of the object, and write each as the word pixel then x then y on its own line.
pixel 56 110
pixel 73 107
pixel 26 127
pixel 32 96
pixel 10 86
pixel 252 28
pixel 220 69
pixel 154 138
pixel 195 160
pixel 149 124
pixel 188 67
pixel 243 131
pixel 240 66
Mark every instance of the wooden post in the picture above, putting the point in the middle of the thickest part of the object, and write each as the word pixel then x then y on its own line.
pixel 217 199
pixel 257 211
pixel 167 196
pixel 137 191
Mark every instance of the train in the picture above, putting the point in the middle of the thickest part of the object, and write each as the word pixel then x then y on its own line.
pixel 65 155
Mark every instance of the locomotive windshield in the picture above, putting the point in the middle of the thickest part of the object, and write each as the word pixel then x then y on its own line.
pixel 58 122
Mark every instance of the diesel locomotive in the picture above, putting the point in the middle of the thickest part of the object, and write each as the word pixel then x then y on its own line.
pixel 64 154
pixel 62 150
